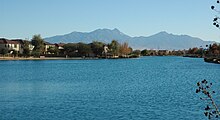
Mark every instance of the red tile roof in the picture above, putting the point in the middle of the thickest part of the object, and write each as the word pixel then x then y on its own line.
pixel 60 44
pixel 5 41
pixel 47 43
pixel 19 41
pixel 12 42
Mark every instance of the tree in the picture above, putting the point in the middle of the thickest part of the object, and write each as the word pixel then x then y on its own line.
pixel 124 49
pixel 4 51
pixel 84 49
pixel 71 49
pixel 193 50
pixel 26 51
pixel 53 50
pixel 216 19
pixel 131 49
pixel 77 49
pixel 136 52
pixel 211 109
pixel 114 47
pixel 38 43
pixel 144 52
pixel 97 48
pixel 214 49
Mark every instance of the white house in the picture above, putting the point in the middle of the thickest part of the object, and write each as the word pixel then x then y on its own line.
pixel 47 46
pixel 14 45
pixel 11 45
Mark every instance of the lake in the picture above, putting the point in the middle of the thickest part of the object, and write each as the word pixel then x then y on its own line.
pixel 160 88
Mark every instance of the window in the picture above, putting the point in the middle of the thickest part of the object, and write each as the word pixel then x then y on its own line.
pixel 15 45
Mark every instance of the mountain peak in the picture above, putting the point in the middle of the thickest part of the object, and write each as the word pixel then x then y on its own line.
pixel 161 40
pixel 105 30
pixel 115 29
pixel 163 33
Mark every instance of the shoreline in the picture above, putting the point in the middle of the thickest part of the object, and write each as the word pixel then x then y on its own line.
pixel 45 58
pixel 59 58
pixel 208 60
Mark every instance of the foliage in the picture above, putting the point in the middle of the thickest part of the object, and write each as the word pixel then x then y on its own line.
pixel 53 50
pixel 4 51
pixel 216 18
pixel 77 49
pixel 26 51
pixel 38 43
pixel 211 51
pixel 195 50
pixel 71 49
pixel 114 47
pixel 124 49
pixel 144 52
pixel 211 110
pixel 84 49
pixel 97 48
pixel 214 49
pixel 37 53
pixel 136 52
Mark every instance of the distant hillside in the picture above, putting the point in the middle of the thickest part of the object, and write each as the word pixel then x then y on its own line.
pixel 104 35
pixel 162 40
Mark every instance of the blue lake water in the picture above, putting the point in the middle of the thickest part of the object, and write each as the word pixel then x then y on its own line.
pixel 145 88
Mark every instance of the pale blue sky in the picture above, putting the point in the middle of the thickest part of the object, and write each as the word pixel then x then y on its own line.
pixel 24 18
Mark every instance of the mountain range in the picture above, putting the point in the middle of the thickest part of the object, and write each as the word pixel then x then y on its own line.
pixel 161 40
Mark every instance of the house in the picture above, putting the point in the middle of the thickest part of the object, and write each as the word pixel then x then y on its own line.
pixel 31 47
pixel 10 45
pixel 14 45
pixel 20 45
pixel 47 47
pixel 60 47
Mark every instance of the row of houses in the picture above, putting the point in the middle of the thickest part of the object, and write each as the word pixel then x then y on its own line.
pixel 18 45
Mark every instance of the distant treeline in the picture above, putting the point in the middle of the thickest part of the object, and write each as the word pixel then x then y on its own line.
pixel 210 51
pixel 38 47
pixel 98 49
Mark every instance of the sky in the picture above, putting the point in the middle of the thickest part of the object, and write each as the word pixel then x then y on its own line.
pixel 25 18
